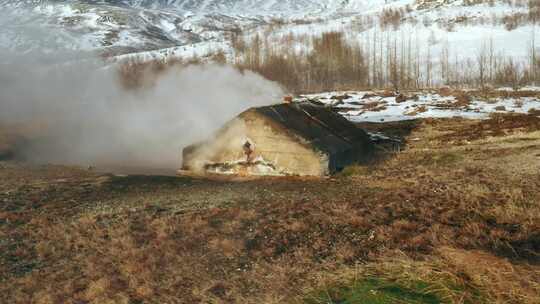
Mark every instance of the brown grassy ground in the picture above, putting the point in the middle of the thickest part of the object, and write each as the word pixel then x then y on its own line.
pixel 458 207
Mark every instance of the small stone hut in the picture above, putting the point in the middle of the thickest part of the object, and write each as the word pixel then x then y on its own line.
pixel 283 139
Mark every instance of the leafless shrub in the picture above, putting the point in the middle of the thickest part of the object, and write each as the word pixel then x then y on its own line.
pixel 391 17
pixel 508 74
pixel 513 21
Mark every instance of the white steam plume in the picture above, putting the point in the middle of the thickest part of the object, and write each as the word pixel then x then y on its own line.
pixel 80 114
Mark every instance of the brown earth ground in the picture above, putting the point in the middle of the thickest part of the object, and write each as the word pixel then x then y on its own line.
pixel 458 206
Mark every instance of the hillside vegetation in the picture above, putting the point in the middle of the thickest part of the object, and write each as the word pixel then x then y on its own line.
pixel 451 218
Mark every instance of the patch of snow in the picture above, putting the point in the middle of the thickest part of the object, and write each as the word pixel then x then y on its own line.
pixel 425 105
pixel 259 166
pixel 530 89
pixel 168 26
pixel 378 136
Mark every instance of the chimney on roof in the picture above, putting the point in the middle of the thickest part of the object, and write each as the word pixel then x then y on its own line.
pixel 287 99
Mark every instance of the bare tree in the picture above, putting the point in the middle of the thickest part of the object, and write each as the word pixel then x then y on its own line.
pixel 481 61
pixel 429 66
pixel 533 61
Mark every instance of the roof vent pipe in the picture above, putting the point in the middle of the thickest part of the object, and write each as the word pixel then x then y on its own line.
pixel 287 99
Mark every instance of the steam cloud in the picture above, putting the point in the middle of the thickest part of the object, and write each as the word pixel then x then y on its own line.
pixel 80 114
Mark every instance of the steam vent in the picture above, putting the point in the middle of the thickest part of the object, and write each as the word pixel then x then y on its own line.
pixel 283 139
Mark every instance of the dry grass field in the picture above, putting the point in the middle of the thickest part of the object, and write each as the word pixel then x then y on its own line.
pixel 453 217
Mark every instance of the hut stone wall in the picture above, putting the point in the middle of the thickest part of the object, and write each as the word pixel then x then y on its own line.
pixel 253 144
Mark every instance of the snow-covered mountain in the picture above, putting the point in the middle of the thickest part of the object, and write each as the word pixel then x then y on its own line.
pixel 229 7
pixel 184 28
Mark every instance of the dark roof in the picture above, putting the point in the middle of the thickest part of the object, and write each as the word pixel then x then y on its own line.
pixel 323 128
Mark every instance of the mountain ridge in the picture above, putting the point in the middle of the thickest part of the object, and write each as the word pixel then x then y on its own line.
pixel 184 27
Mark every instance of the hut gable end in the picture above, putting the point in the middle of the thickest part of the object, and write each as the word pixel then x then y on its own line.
pixel 282 139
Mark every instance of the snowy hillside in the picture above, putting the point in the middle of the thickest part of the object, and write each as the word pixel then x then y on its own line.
pixel 87 27
pixel 146 29
pixel 234 7
pixel 379 107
